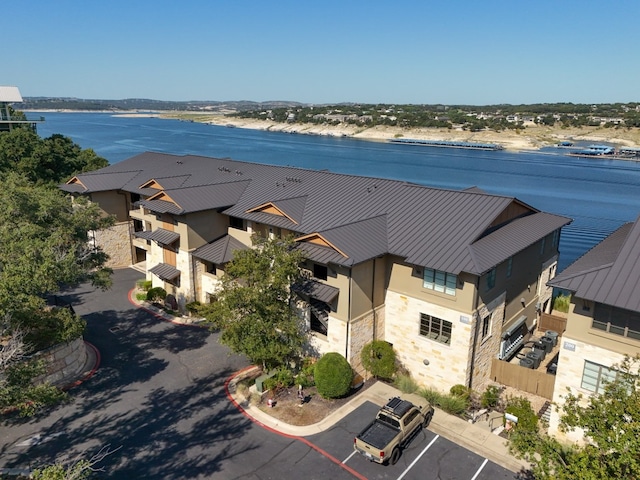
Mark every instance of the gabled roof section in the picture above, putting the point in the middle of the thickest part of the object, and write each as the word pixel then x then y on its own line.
pixel 511 238
pixel 219 251
pixel 99 181
pixel 361 240
pixel 165 183
pixel 208 197
pixel 609 273
pixel 318 239
pixel 290 208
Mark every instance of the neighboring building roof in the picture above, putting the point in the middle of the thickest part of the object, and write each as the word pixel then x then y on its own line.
pixel 10 95
pixel 609 273
pixel 219 251
pixel 356 217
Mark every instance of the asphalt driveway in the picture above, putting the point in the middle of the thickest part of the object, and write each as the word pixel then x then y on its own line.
pixel 158 400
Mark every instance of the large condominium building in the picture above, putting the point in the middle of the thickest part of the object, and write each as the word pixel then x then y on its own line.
pixel 452 279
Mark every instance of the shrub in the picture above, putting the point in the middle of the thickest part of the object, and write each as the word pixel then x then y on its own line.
pixel 453 404
pixel 282 379
pixel 144 285
pixel 561 303
pixel 433 396
pixel 406 384
pixel 305 376
pixel 379 359
pixel 521 408
pixel 141 296
pixel 461 391
pixel 192 307
pixel 333 375
pixel 156 294
pixel 490 397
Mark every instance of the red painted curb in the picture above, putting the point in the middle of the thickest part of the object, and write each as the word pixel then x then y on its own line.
pixel 293 437
pixel 91 373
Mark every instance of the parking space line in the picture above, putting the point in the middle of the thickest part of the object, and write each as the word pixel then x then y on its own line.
pixel 480 469
pixel 418 457
pixel 349 457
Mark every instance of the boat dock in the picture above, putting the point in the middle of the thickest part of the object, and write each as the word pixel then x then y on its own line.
pixel 447 143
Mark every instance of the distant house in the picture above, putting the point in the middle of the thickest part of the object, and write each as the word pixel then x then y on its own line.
pixel 451 279
pixel 9 96
pixel 604 315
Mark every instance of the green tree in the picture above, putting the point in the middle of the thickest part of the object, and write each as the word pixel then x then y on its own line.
pixel 254 307
pixel 610 422
pixel 379 359
pixel 49 160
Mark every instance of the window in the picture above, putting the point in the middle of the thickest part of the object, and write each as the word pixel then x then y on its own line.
pixel 556 238
pixel 616 321
pixel 486 326
pixel 440 281
pixel 320 271
pixel 435 328
pixel 210 267
pixel 594 377
pixel 542 245
pixel 238 223
pixel 491 279
pixel 509 266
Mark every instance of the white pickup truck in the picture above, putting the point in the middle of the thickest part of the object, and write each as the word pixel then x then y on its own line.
pixel 393 428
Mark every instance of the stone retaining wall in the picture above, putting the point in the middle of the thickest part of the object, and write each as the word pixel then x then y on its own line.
pixel 64 362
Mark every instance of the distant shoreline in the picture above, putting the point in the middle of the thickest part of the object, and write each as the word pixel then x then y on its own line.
pixel 532 138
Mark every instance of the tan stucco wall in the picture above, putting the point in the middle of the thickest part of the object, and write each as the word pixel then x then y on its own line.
pixel 408 280
pixel 447 363
pixel 197 229
pixel 113 203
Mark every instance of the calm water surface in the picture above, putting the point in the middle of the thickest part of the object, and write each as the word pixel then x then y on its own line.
pixel 598 194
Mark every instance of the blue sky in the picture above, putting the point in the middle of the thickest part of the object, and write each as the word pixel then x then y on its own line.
pixel 431 51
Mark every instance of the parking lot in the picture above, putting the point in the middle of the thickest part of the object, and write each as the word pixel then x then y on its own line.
pixel 429 456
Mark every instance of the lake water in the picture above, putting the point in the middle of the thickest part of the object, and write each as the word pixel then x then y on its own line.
pixel 598 194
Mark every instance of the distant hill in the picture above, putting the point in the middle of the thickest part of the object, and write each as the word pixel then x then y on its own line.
pixel 68 103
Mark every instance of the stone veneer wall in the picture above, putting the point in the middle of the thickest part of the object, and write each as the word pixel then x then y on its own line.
pixel 569 375
pixel 116 242
pixel 362 332
pixel 487 348
pixel 447 363
pixel 63 361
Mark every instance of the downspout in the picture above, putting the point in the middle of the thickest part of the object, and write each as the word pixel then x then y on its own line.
pixel 346 346
pixel 475 333
pixel 373 303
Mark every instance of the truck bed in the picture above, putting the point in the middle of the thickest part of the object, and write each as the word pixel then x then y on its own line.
pixel 378 434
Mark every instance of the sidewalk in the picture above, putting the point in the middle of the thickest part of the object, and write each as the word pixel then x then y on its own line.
pixel 473 437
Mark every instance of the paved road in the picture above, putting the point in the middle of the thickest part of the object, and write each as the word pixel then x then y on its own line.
pixel 159 399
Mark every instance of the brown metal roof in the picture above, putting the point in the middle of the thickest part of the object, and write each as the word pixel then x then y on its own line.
pixel 609 273
pixel 164 271
pixel 362 217
pixel 219 251
pixel 318 290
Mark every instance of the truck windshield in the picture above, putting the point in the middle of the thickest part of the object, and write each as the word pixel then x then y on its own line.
pixel 389 420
